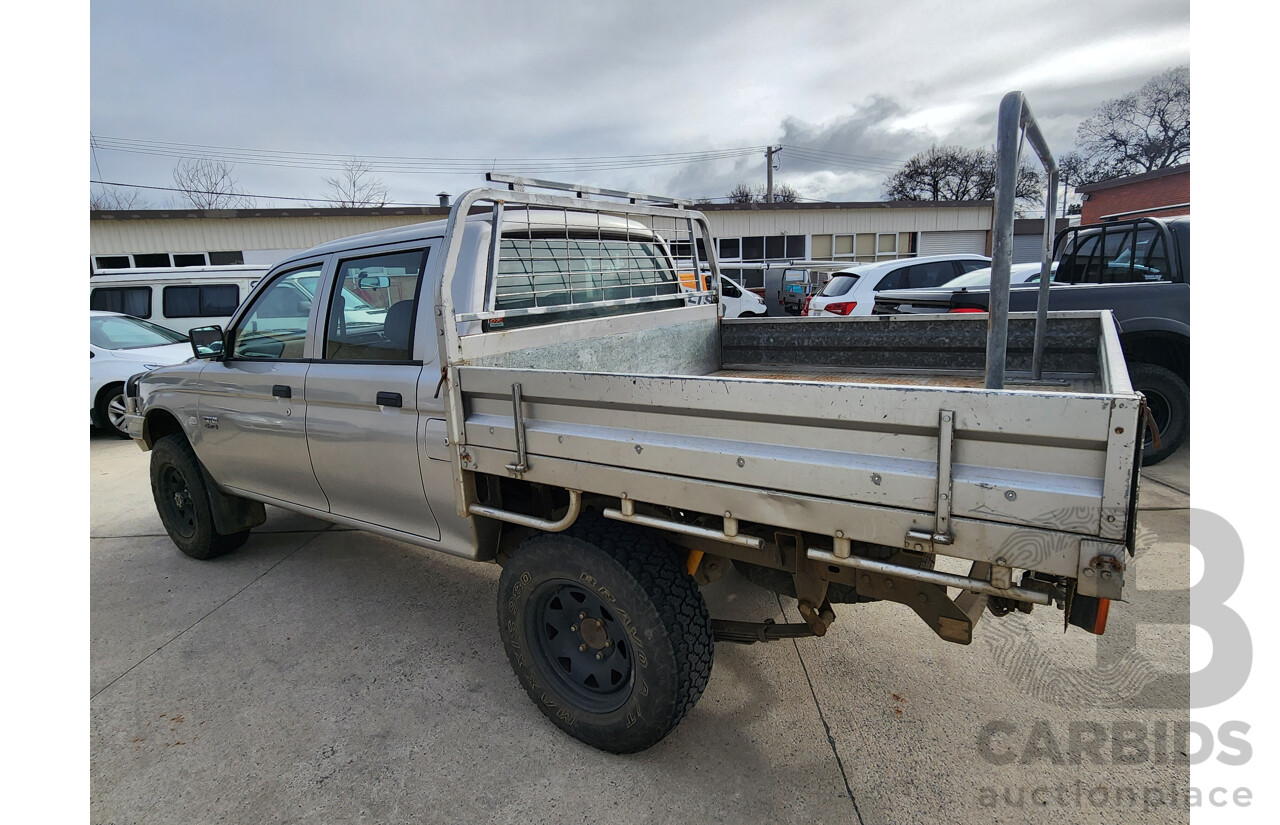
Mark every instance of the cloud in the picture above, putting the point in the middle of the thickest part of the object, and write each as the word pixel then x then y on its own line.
pixel 858 89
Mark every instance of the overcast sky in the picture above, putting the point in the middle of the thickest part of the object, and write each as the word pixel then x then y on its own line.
pixel 516 85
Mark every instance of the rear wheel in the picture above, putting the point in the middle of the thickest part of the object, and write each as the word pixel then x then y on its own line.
pixel 1169 401
pixel 607 633
pixel 182 500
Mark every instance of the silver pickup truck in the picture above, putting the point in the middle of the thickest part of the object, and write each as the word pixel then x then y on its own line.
pixel 527 384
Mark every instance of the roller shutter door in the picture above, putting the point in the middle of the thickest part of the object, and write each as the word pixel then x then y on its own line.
pixel 949 243
pixel 1026 248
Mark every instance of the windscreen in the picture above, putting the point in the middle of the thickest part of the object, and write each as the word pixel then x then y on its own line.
pixel 122 332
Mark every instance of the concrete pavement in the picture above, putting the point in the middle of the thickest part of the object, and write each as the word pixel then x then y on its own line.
pixel 326 675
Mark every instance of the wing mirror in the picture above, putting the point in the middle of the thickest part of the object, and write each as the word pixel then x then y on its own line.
pixel 207 342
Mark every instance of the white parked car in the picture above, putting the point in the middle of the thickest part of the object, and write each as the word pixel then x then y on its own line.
pixel 938 299
pixel 853 291
pixel 121 346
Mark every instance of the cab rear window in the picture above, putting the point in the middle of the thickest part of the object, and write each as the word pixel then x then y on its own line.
pixel 540 280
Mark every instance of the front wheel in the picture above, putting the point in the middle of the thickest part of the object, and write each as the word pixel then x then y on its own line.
pixel 108 410
pixel 607 633
pixel 182 500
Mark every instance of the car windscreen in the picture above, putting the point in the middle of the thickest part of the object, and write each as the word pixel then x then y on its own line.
pixel 840 284
pixel 122 332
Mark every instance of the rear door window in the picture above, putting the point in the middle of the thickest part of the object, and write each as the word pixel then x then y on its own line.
pixel 927 275
pixel 373 308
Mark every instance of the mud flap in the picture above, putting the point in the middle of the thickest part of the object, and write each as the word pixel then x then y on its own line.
pixel 232 514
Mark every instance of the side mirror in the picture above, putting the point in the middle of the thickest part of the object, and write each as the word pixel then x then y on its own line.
pixel 373 282
pixel 207 342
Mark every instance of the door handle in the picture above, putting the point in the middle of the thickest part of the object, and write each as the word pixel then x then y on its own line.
pixel 282 391
pixel 389 399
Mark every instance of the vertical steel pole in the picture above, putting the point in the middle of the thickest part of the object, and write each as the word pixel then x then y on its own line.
pixel 1046 265
pixel 1008 140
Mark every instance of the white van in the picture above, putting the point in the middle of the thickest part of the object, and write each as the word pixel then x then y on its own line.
pixel 179 299
pixel 739 302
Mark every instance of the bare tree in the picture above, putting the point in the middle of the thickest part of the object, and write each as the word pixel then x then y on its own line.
pixel 785 193
pixel 953 173
pixel 782 193
pixel 356 187
pixel 1143 131
pixel 209 184
pixel 115 197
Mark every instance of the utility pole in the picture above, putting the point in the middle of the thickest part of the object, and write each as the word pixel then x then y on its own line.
pixel 769 152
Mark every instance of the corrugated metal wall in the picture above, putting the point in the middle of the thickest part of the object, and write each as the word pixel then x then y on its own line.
pixel 117 237
pixel 266 234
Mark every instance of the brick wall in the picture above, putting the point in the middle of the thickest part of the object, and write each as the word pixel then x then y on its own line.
pixel 1140 194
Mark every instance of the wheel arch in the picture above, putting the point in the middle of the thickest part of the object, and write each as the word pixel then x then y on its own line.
pixel 159 423
pixel 1160 347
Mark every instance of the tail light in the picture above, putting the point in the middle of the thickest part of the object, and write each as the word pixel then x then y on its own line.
pixel 965 309
pixel 841 308
pixel 1089 613
pixel 804 304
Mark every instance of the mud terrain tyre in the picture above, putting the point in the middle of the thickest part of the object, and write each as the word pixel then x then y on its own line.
pixel 606 631
pixel 182 500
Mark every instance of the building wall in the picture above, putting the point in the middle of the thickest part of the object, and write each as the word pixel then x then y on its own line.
pixel 1139 195
pixel 268 236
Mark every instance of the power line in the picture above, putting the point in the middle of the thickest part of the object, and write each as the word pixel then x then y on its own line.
pixel 832 159
pixel 419 165
pixel 237 194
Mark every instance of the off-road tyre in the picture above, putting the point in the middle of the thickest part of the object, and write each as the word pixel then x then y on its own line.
pixel 182 500
pixel 598 581
pixel 1169 401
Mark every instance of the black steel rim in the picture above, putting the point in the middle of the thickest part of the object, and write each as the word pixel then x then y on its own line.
pixel 580 646
pixel 175 497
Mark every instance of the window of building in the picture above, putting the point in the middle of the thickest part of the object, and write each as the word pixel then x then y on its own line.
pixel 750 278
pixel 151 259
pixel 131 300
pixel 860 247
pixel 188 259
pixel 200 301
pixel 753 248
pixel 730 248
